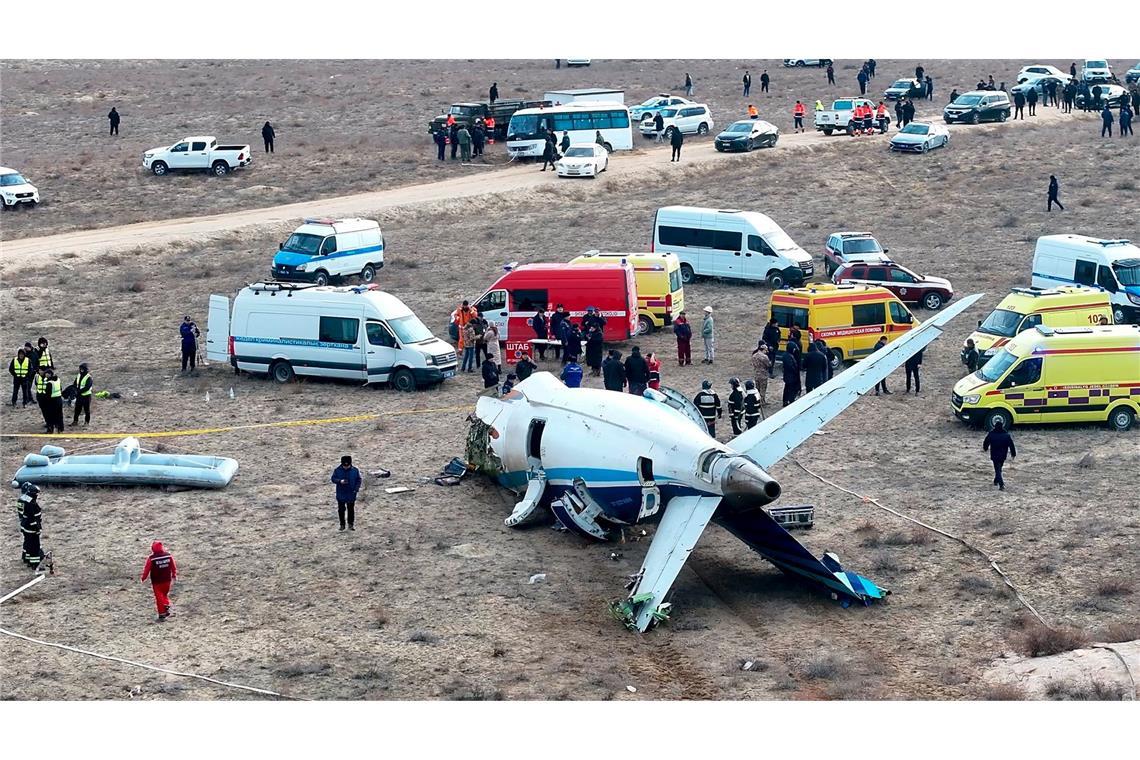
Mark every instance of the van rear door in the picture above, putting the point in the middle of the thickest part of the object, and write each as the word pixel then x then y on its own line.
pixel 218 329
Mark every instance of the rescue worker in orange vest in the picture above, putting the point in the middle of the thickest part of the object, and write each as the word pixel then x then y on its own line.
pixel 752 112
pixel 798 115
pixel 882 116
pixel 857 120
pixel 450 120
pixel 489 123
pixel 868 120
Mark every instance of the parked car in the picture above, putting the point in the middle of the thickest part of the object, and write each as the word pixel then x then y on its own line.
pixel 326 250
pixel 978 105
pixel 16 191
pixel 650 106
pixel 848 247
pixel 1113 94
pixel 572 62
pixel 1133 74
pixel 920 137
pixel 747 134
pixel 198 154
pixel 583 161
pixel 1039 84
pixel 1096 70
pixel 838 117
pixel 690 119
pixel 905 88
pixel 909 287
pixel 1038 70
pixel 801 62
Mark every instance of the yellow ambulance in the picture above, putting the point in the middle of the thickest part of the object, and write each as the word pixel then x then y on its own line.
pixel 1025 308
pixel 851 318
pixel 1063 374
pixel 660 295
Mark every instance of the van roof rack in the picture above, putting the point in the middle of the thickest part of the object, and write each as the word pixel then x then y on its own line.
pixel 274 286
pixel 321 220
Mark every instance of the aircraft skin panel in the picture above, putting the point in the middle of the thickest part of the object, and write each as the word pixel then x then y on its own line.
pixel 684 520
pixel 778 435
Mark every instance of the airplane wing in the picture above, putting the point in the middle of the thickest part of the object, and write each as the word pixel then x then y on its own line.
pixel 776 437
pixel 684 520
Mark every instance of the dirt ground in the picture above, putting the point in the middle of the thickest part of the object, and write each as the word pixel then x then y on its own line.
pixel 430 598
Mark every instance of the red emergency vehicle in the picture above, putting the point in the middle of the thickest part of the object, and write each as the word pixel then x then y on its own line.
pixel 522 290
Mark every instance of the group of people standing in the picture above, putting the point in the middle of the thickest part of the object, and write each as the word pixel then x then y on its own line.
pixel 468 143
pixel 33 372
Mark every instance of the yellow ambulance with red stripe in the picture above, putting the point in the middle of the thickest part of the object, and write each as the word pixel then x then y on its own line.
pixel 1064 374
pixel 1025 308
pixel 660 294
pixel 851 318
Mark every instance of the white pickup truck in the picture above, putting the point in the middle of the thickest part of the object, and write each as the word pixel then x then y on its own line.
pixel 198 154
pixel 838 117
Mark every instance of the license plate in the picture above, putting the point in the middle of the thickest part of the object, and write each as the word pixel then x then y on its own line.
pixel 448 373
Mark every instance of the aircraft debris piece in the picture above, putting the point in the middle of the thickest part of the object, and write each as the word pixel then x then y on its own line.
pixel 128 465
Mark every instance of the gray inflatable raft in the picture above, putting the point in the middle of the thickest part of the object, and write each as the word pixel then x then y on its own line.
pixel 128 465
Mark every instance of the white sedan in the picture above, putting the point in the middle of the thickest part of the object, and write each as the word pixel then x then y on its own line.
pixel 920 137
pixel 583 161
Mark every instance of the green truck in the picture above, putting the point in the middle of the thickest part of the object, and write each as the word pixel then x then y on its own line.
pixel 466 113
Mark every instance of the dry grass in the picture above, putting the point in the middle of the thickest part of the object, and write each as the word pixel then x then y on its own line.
pixel 1036 640
pixel 1115 587
pixel 1003 692
pixel 1097 691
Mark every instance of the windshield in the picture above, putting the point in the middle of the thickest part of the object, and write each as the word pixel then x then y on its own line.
pixel 915 129
pixel 668 113
pixel 841 105
pixel 1001 322
pixel 997 366
pixel 740 126
pixel 862 245
pixel 14 178
pixel 655 100
pixel 300 242
pixel 410 329
pixel 461 110
pixel 779 240
pixel 572 151
pixel 1127 272
pixel 1096 64
pixel 523 126
pixel 901 83
pixel 968 100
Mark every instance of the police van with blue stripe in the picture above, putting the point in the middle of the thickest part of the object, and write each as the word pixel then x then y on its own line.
pixel 324 251
pixel 1109 265
pixel 352 333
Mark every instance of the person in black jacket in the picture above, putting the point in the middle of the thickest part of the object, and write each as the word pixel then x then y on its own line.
pixel 21 368
pixel 539 323
pixel 821 344
pixel 1019 105
pixel 572 345
pixel 636 372
pixel 791 375
pixel 882 384
pixel 676 140
pixel 550 151
pixel 478 138
pixel 659 126
pixel 708 403
pixel 1054 191
pixel 440 138
pixel 765 80
pixel 970 356
pixel 556 319
pixel 113 117
pixel 493 93
pixel 453 136
pixel 771 342
pixel 267 134
pixel 525 368
pixel 1031 100
pixel 594 350
pixel 815 368
pixel 912 365
pixel 490 372
pixel 736 406
pixel 31 524
pixel 565 146
pixel 999 443
pixel 594 318
pixel 613 372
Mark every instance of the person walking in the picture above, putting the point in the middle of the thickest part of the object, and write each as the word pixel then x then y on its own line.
pixel 736 406
pixel 688 85
pixel 636 372
pixel 161 571
pixel 684 333
pixel 440 138
pixel 1106 118
pixel 565 145
pixel 572 374
pixel 659 127
pixel 1054 191
pixel 752 403
pixel 791 367
pixel 708 335
pixel 1000 444
pixel 912 364
pixel 676 139
pixel 708 403
pixel 20 368
pixel 798 111
pixel 654 365
pixel 189 333
pixel 1019 105
pixel 83 384
pixel 539 323
pixel 761 371
pixel 1125 121
pixel 929 88
pixel 899 113
pixel 815 368
pixel 747 83
pixel 549 152
pixel 862 79
pixel 970 356
pixel 770 341
pixel 493 93
pixel 113 118
pixel 31 524
pixel 1031 100
pixel 347 480
pixel 765 80
pixel 882 384
pixel 613 372
pixel 267 135
pixel 594 350
pixel 831 75
pixel 464 137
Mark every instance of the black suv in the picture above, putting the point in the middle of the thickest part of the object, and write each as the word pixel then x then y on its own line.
pixel 978 105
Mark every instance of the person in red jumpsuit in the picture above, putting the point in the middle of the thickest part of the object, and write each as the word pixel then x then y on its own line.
pixel 161 570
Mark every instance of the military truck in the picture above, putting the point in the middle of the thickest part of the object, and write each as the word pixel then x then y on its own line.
pixel 466 113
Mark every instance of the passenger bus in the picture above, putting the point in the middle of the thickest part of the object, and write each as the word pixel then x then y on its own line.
pixel 527 129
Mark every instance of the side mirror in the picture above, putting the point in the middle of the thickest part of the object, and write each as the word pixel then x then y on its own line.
pixel 886 250
pixel 979 323
pixel 280 246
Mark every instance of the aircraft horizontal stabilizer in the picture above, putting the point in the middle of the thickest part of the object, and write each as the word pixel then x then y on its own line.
pixel 780 434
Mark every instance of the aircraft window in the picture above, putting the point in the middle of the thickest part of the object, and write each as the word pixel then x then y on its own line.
pixel 706 464
pixel 645 469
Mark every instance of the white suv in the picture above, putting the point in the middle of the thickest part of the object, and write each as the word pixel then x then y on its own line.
pixel 1096 70
pixel 690 119
pixel 1039 70
pixel 15 190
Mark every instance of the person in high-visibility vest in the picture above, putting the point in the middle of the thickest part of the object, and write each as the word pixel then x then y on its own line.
pixel 489 123
pixel 752 112
pixel 55 403
pixel 819 105
pixel 41 384
pixel 45 355
pixel 19 368
pixel 83 383
pixel 798 115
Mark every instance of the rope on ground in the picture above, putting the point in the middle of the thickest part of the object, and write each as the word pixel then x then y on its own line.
pixel 232 428
pixel 951 536
pixel 228 684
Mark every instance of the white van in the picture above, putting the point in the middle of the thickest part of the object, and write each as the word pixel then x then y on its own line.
pixel 742 245
pixel 1111 265
pixel 354 333
pixel 327 250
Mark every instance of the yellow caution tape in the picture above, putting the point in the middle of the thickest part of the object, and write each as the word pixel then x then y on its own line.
pixel 252 426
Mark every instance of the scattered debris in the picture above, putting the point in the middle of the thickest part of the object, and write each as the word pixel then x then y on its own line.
pixel 747 665
pixel 381 473
pixel 398 489
pixel 453 472
pixel 53 324
pixel 615 556
pixel 232 393
pixel 631 689
pixel 1087 461
pixel 537 578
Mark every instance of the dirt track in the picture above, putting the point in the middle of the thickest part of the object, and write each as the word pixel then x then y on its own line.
pixel 482 181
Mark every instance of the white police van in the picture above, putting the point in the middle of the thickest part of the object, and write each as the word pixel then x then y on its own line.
pixel 1110 265
pixel 353 333
pixel 327 250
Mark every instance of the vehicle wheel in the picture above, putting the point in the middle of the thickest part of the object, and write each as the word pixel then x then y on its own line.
pixel 1121 418
pixel 368 274
pixel 1118 316
pixel 1003 116
pixel 322 278
pixel 688 276
pixel 403 380
pixel 974 118
pixel 158 168
pixel 932 301
pixel 776 280
pixel 720 149
pixel 644 325
pixel 836 358
pixel 282 372
pixel 827 131
pixel 994 416
pixel 703 129
pixel 924 148
pixel 799 64
pixel 751 146
pixel 220 168
pixel 609 149
pixel 773 141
